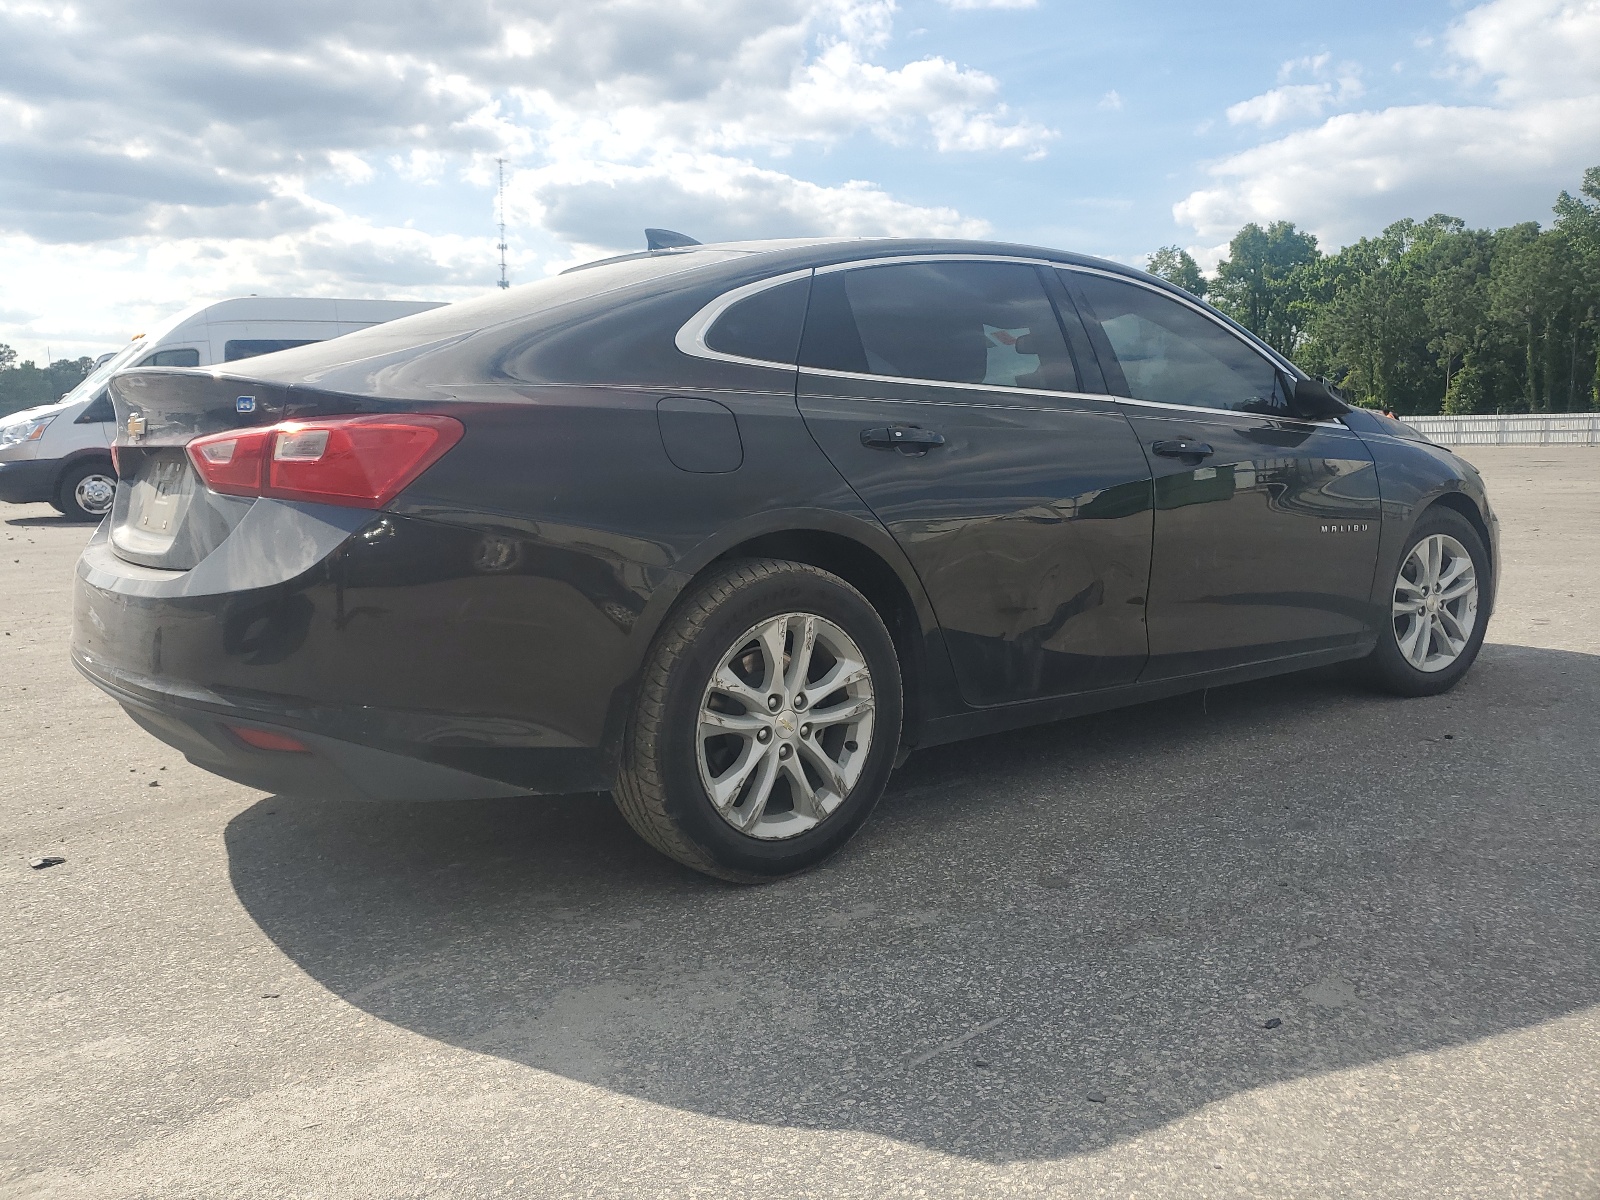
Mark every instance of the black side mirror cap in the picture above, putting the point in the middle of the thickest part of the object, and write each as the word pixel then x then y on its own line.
pixel 1316 399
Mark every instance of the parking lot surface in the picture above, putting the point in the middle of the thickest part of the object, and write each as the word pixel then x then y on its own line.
pixel 1047 967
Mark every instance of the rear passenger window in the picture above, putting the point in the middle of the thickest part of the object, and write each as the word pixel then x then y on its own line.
pixel 764 326
pixel 984 323
pixel 249 348
pixel 187 357
pixel 1171 354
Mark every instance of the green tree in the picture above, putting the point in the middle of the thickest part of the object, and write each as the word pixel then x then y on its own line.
pixel 25 385
pixel 1578 224
pixel 1262 282
pixel 1177 265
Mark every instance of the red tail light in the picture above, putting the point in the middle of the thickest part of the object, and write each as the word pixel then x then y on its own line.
pixel 361 462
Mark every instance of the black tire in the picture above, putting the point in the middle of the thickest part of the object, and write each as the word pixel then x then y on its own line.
pixel 67 500
pixel 659 788
pixel 1387 667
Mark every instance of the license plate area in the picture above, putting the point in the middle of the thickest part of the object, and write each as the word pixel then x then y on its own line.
pixel 159 497
pixel 158 494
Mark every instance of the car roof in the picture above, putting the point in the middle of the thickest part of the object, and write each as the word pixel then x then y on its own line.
pixel 821 251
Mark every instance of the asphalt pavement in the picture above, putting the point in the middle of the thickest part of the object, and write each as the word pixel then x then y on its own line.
pixel 1288 938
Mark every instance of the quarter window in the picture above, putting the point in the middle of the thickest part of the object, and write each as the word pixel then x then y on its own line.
pixel 1171 354
pixel 765 325
pixel 983 323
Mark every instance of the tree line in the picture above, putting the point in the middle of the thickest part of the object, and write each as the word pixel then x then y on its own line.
pixel 25 385
pixel 1429 316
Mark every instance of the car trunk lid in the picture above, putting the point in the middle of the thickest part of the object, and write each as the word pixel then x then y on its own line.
pixel 164 515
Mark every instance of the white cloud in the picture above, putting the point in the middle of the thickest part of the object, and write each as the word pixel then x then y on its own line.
pixel 192 144
pixel 974 4
pixel 1110 102
pixel 713 197
pixel 1293 100
pixel 1490 163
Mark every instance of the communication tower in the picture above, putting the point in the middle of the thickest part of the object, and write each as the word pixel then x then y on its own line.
pixel 500 216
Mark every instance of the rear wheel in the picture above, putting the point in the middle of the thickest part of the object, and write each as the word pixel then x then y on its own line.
pixel 86 491
pixel 767 724
pixel 1438 608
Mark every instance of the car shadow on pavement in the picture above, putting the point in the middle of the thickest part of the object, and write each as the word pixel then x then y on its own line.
pixel 50 522
pixel 1161 907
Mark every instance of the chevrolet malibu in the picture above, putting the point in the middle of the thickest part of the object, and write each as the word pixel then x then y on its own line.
pixel 730 530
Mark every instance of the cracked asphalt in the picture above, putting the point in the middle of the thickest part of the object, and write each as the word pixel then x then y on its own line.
pixel 1287 938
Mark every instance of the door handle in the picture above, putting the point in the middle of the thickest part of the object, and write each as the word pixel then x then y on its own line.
pixel 910 439
pixel 1182 448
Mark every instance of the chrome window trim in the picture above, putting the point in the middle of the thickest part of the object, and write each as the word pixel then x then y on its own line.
pixel 1271 355
pixel 691 336
pixel 830 373
pixel 1097 397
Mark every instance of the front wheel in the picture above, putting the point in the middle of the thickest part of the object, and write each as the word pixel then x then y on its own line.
pixel 1438 608
pixel 767 723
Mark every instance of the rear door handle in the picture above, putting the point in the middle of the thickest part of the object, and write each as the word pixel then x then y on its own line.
pixel 910 438
pixel 1182 448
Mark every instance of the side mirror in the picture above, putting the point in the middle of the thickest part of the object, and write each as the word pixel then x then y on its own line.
pixel 1315 399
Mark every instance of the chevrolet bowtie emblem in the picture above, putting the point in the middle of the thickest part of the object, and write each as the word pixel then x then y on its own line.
pixel 136 425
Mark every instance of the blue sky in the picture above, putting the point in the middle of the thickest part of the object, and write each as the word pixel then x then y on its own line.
pixel 157 154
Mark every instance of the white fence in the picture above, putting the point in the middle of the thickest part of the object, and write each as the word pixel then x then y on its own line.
pixel 1522 429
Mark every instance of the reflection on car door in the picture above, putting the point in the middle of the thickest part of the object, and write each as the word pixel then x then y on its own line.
pixel 1266 527
pixel 941 391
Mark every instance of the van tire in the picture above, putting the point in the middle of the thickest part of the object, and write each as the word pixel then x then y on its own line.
pixel 75 494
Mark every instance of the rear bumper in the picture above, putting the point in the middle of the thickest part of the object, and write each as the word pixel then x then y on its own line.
pixel 29 481
pixel 333 768
pixel 410 671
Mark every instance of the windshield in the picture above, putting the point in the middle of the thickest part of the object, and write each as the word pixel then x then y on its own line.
pixel 93 381
pixel 96 378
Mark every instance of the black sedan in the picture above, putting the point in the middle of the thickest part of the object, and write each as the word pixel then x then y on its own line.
pixel 729 530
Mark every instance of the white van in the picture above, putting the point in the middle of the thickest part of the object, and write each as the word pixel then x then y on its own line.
pixel 61 453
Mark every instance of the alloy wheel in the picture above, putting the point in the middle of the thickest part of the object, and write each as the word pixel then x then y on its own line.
pixel 1435 603
pixel 785 725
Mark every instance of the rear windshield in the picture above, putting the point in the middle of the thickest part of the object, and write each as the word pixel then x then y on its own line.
pixel 469 316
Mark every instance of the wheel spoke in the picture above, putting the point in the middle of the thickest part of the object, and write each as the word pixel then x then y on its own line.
pixel 773 638
pixel 1407 608
pixel 1434 551
pixel 1414 643
pixel 842 674
pixel 830 771
pixel 1404 584
pixel 714 722
pixel 806 801
pixel 1457 568
pixel 847 710
pixel 725 788
pixel 1462 586
pixel 730 684
pixel 760 791
pixel 1451 626
pixel 1448 645
pixel 805 638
